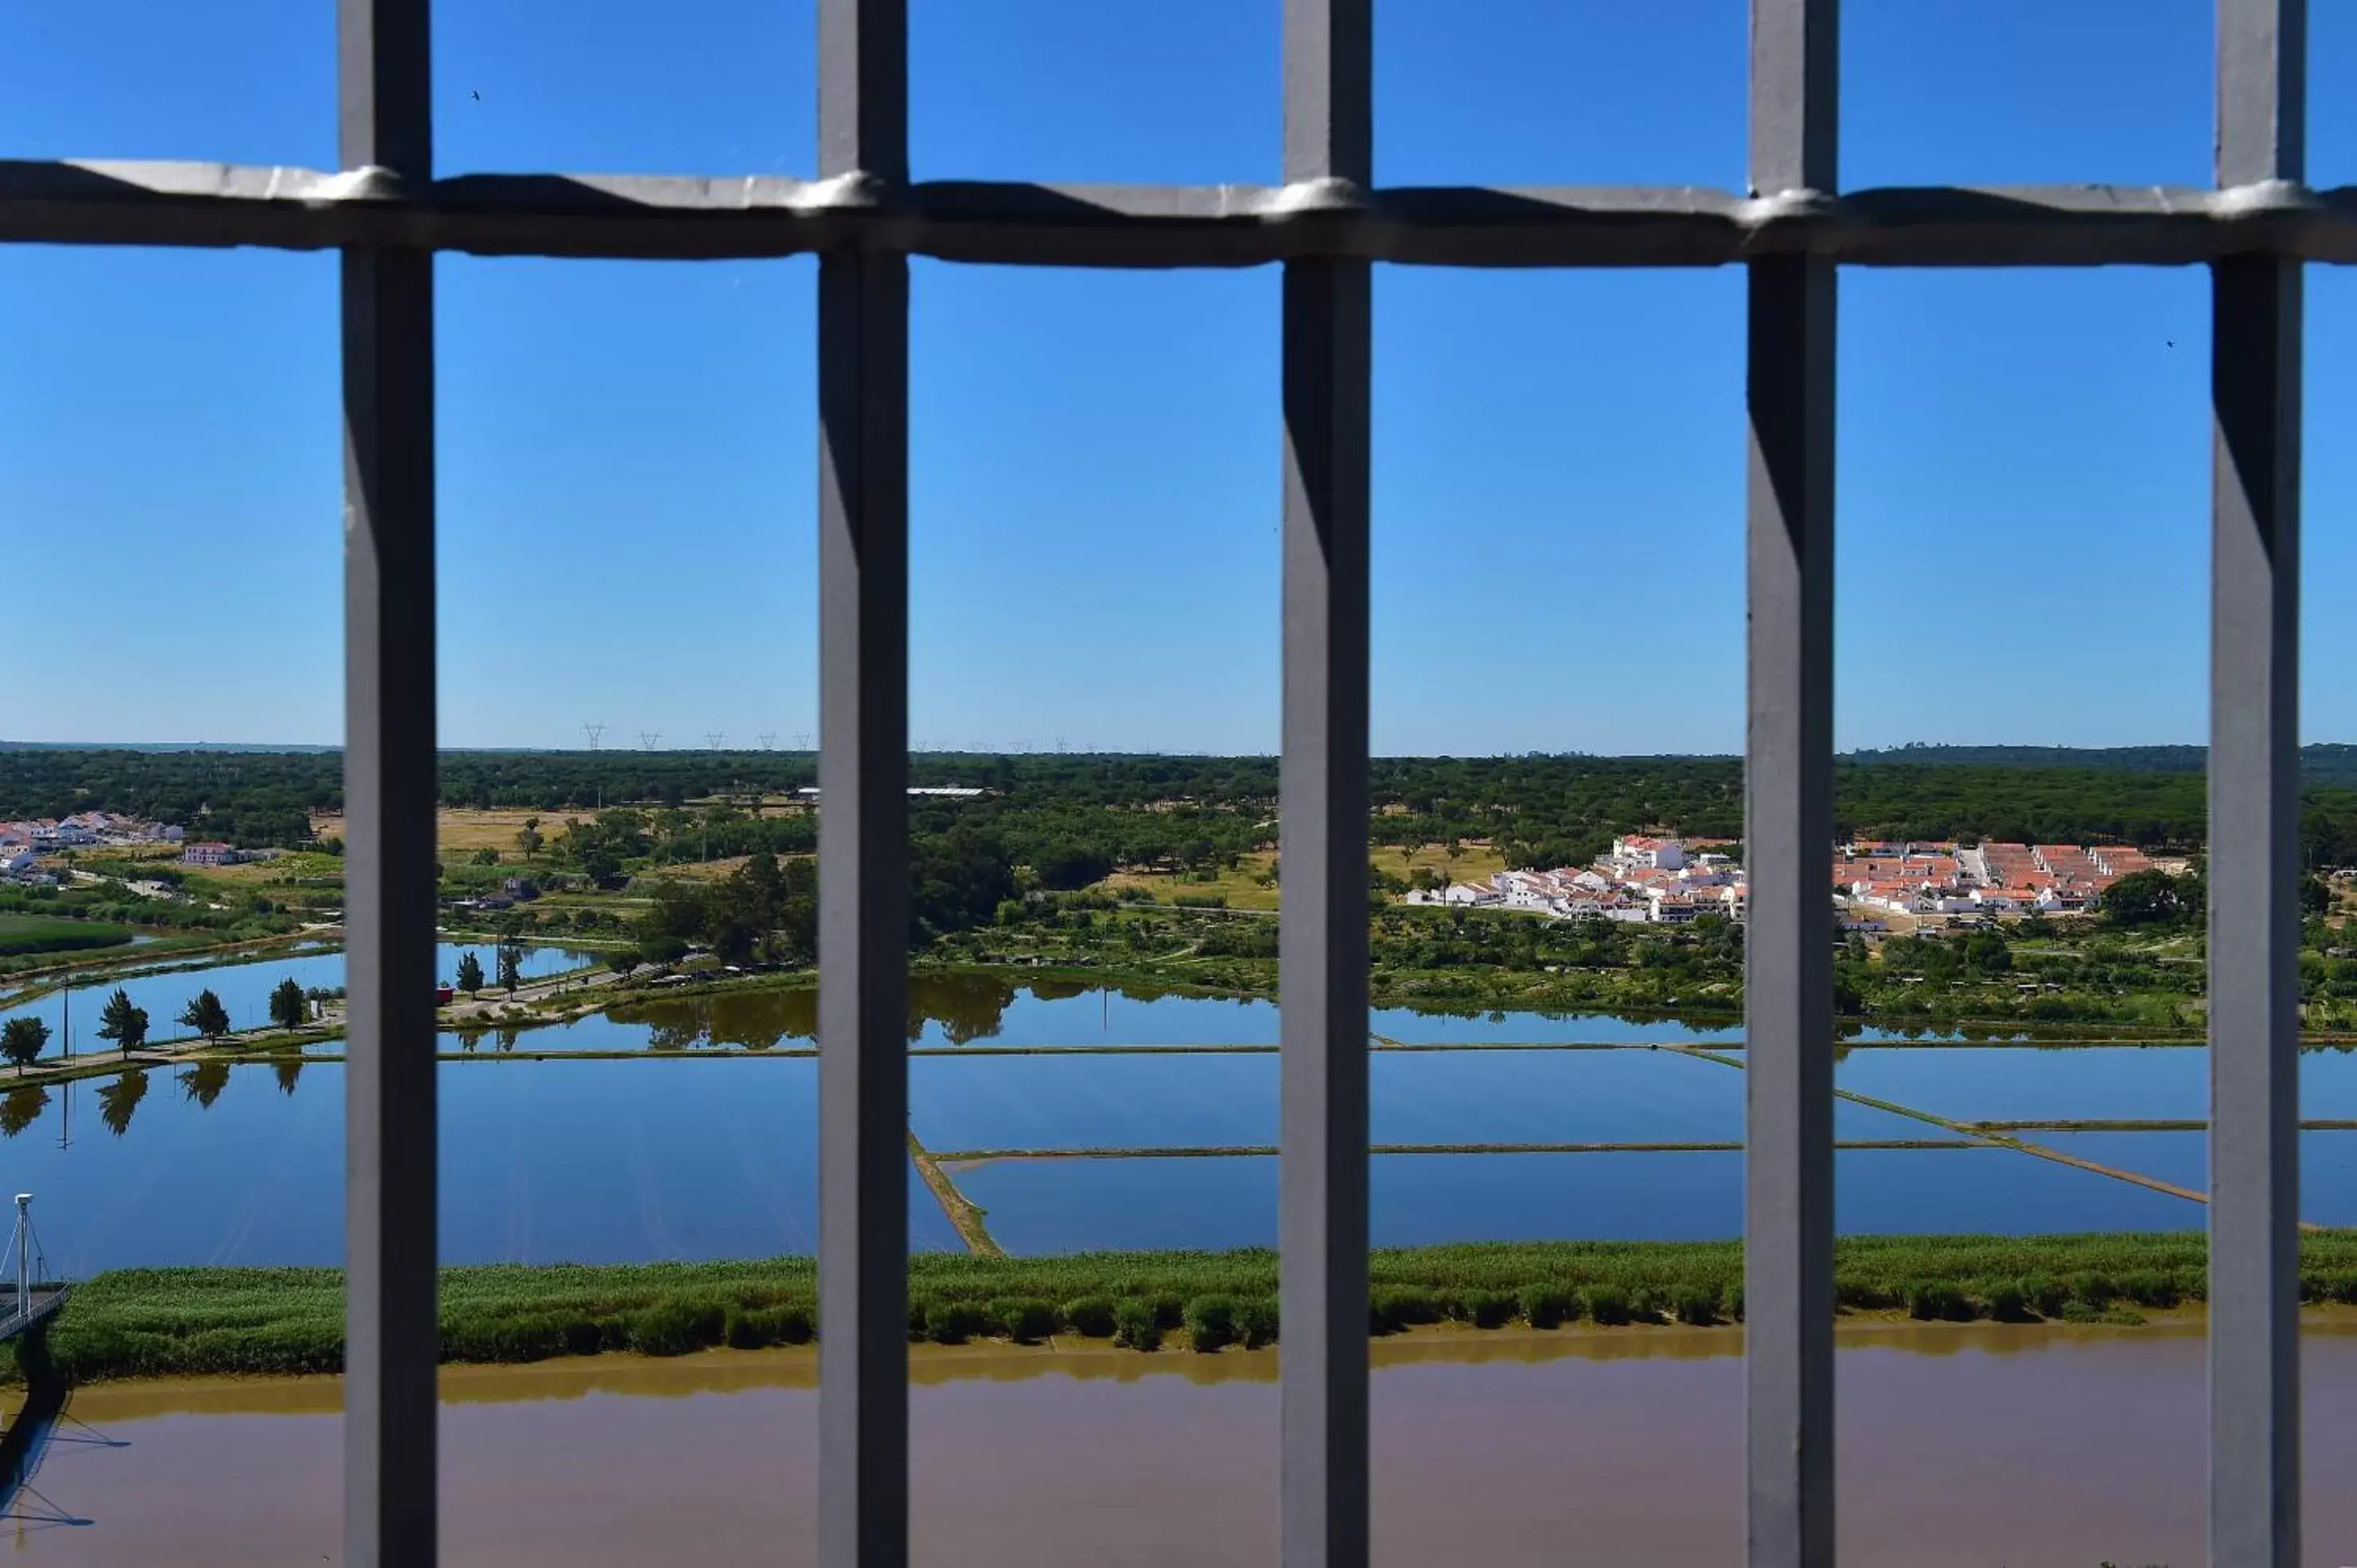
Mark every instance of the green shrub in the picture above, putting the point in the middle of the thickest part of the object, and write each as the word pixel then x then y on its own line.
pixel 955 1322
pixel 2075 1311
pixel 2089 1288
pixel 1025 1319
pixel 533 1337
pixel 1211 1322
pixel 1395 1307
pixel 676 1328
pixel 1693 1303
pixel 753 1328
pixel 1169 1312
pixel 2044 1294
pixel 1090 1316
pixel 1133 1326
pixel 1485 1308
pixel 2330 1285
pixel 743 1331
pixel 2008 1303
pixel 1545 1306
pixel 1646 1304
pixel 2146 1288
pixel 1606 1304
pixel 1934 1300
pixel 1730 1300
pixel 1256 1321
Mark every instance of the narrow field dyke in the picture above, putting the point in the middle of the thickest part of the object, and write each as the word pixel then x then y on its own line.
pixel 1984 1134
pixel 161 1322
pixel 965 1216
pixel 2127 1124
pixel 1230 1151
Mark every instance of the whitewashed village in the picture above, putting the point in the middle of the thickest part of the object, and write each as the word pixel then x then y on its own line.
pixel 1670 880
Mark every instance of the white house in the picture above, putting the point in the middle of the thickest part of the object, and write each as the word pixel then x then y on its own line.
pixel 1667 854
pixel 14 860
pixel 1468 893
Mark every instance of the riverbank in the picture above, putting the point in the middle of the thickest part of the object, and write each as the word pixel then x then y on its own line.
pixel 177 1322
pixel 1961 1445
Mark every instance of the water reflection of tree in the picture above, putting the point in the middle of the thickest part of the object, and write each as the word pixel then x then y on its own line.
pixel 20 1108
pixel 118 1099
pixel 674 1033
pixel 967 1007
pixel 504 1036
pixel 204 1082
pixel 288 1072
pixel 757 1020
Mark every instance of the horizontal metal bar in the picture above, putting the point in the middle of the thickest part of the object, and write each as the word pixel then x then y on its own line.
pixel 673 217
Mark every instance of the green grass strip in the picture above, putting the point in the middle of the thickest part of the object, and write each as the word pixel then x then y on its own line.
pixel 152 1322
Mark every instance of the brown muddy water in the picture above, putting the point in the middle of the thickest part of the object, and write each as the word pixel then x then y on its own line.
pixel 1979 1446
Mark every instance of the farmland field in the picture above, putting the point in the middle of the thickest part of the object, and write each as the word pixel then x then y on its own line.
pixel 47 933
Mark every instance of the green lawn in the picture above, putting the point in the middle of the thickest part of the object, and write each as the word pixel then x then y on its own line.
pixel 49 933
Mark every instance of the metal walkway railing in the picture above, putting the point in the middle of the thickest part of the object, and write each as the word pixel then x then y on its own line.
pixel 864 217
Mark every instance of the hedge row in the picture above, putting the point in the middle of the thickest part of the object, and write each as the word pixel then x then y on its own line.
pixel 153 1322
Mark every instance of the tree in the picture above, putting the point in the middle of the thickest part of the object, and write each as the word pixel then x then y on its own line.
pixel 471 973
pixel 529 840
pixel 486 856
pixel 206 1015
pixel 2143 898
pixel 1069 864
pixel 21 1040
pixel 511 966
pixel 287 1006
pixel 120 1022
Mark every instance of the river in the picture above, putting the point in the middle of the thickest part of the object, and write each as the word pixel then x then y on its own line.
pixel 1959 1448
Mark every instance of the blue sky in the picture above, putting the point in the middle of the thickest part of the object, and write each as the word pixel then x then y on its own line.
pixel 628 493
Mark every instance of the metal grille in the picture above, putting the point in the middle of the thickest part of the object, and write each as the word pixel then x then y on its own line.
pixel 863 217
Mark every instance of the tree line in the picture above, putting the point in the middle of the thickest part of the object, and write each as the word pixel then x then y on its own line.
pixel 1072 817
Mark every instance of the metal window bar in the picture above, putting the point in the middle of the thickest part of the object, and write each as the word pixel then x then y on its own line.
pixel 1322 807
pixel 1326 223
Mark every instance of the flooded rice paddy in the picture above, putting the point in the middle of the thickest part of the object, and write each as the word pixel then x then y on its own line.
pixel 243 988
pixel 1068 1142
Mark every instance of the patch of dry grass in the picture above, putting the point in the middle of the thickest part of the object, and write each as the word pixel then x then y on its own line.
pixel 1242 887
pixel 1474 861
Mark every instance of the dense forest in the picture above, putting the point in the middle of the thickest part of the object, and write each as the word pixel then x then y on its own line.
pixel 1072 817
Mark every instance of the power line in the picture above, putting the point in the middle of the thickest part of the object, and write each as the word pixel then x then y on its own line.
pixel 593 731
pixel 647 738
pixel 768 740
pixel 712 737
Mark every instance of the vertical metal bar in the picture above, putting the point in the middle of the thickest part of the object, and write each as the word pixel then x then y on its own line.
pixel 862 379
pixel 2254 816
pixel 1328 128
pixel 1788 813
pixel 391 1339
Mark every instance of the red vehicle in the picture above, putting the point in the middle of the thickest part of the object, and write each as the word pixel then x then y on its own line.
pixel 442 995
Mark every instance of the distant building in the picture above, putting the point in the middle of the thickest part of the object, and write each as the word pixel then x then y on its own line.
pixel 520 889
pixel 16 862
pixel 208 854
pixel 1664 854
